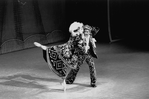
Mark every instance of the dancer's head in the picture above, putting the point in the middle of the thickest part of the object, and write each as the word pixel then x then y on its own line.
pixel 88 33
pixel 76 28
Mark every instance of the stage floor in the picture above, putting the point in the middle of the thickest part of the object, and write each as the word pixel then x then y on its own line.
pixel 122 74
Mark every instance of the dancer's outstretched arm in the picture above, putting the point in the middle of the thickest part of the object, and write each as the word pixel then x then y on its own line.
pixel 40 45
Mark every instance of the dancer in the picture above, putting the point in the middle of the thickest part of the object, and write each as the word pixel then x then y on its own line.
pixel 89 55
pixel 71 54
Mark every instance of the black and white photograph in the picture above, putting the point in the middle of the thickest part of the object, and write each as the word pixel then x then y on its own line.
pixel 74 49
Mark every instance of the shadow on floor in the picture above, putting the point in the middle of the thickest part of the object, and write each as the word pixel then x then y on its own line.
pixel 28 81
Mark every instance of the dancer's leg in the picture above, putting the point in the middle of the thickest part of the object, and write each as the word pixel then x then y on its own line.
pixel 90 62
pixel 40 45
pixel 73 73
pixel 44 55
pixel 64 84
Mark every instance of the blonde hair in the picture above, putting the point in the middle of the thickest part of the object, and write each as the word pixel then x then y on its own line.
pixel 74 26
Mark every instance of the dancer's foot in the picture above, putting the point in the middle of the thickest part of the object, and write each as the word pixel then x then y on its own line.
pixel 39 45
pixel 69 82
pixel 93 85
pixel 64 85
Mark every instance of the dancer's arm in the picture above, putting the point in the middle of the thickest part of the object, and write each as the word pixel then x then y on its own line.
pixel 93 40
pixel 40 45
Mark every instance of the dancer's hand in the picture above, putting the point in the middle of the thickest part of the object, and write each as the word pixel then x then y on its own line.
pixel 86 48
pixel 93 42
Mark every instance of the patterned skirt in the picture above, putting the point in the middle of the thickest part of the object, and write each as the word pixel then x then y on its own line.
pixel 58 63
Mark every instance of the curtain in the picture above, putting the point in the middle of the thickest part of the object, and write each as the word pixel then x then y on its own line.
pixel 129 19
pixel 23 22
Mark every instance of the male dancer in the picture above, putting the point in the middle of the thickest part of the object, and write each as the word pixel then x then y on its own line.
pixel 89 55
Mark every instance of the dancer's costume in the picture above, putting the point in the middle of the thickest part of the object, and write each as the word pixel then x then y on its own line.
pixel 89 60
pixel 60 57
pixel 72 55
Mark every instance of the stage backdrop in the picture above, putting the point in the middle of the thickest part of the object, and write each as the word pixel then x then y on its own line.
pixel 129 19
pixel 23 22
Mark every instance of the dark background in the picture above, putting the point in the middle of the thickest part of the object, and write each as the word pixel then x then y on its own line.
pixel 128 19
pixel 23 22
pixel 91 12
